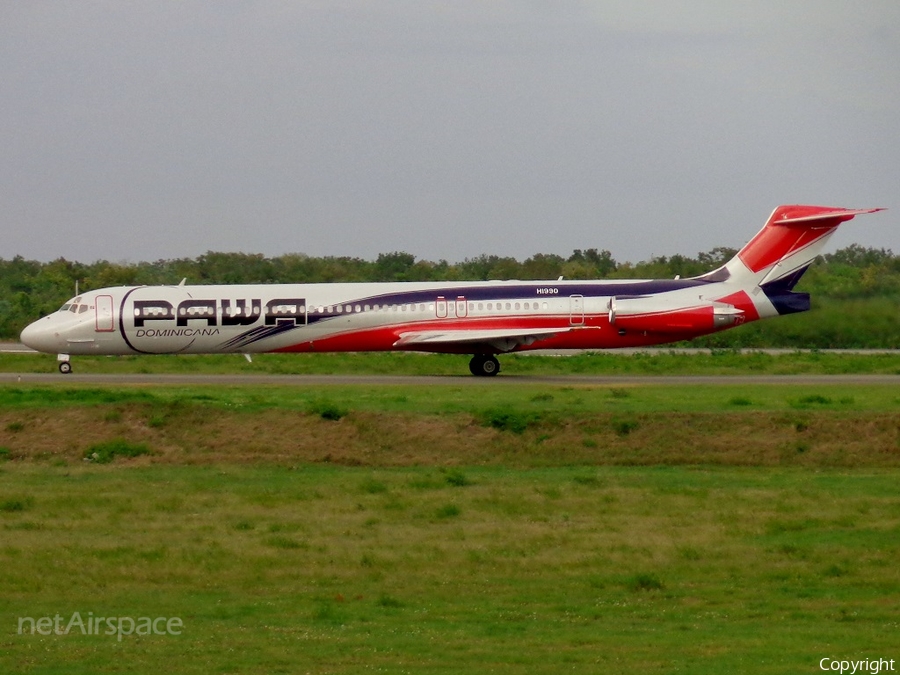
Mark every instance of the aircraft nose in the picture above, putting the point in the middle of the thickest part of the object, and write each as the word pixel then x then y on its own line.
pixel 40 336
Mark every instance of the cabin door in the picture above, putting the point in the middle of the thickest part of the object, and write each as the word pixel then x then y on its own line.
pixel 103 314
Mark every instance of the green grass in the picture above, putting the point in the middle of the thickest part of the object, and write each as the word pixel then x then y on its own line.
pixel 509 404
pixel 470 527
pixel 626 570
pixel 659 361
pixel 474 422
pixel 107 451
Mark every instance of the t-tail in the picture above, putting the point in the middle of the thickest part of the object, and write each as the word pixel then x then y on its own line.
pixel 771 263
pixel 756 284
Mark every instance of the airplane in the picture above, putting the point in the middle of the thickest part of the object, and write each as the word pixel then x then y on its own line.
pixel 476 317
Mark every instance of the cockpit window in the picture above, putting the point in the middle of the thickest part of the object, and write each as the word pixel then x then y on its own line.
pixel 82 309
pixel 72 305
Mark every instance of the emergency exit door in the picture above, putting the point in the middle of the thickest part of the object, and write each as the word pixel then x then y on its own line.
pixel 576 310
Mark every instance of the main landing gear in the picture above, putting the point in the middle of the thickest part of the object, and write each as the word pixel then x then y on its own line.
pixel 484 365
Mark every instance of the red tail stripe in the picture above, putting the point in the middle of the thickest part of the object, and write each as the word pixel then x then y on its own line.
pixel 791 228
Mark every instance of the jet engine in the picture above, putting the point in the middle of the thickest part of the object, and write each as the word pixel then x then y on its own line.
pixel 649 315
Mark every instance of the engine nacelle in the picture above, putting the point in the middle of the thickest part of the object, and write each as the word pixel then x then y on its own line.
pixel 649 315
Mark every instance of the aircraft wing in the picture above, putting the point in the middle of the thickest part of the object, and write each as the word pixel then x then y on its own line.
pixel 501 339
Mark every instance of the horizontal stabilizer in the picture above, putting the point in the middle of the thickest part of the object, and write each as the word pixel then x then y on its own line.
pixel 786 215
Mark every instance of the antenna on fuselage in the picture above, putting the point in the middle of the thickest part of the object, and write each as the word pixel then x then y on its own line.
pixel 182 282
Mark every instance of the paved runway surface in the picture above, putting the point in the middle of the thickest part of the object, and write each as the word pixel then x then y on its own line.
pixel 443 380
pixel 15 348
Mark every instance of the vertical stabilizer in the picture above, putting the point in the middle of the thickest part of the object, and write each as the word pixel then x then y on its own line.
pixel 770 265
pixel 792 238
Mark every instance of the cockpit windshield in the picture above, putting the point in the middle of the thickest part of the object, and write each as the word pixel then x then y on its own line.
pixel 74 305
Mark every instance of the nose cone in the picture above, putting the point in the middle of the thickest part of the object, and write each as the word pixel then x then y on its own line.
pixel 41 336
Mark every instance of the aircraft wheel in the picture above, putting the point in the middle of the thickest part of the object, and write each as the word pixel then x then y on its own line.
pixel 483 365
pixel 65 367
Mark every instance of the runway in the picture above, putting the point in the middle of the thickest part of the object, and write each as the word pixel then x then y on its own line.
pixel 306 381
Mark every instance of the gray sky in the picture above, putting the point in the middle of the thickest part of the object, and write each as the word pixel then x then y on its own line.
pixel 142 130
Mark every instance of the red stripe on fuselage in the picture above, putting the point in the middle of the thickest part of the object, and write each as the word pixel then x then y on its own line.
pixel 743 302
pixel 596 333
pixel 383 338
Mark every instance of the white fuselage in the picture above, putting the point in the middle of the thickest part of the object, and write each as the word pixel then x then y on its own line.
pixel 469 317
pixel 370 317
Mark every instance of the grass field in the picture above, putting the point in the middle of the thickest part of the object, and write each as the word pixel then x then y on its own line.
pixel 525 529
pixel 528 425
pixel 324 569
pixel 652 362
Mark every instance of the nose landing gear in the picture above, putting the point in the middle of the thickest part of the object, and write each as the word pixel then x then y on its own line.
pixel 64 366
pixel 484 365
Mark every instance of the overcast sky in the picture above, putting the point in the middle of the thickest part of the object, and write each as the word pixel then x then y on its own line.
pixel 136 131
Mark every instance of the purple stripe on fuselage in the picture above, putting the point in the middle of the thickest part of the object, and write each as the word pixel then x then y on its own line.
pixel 524 291
pixel 259 333
pixel 532 291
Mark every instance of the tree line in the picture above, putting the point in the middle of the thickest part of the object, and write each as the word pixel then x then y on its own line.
pixel 855 289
